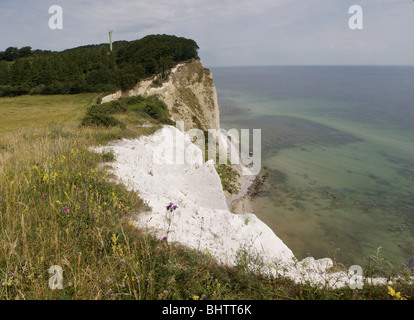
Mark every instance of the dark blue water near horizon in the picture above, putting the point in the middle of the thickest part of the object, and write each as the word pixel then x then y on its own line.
pixel 338 143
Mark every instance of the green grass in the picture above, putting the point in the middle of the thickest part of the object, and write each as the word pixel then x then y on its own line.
pixel 59 205
pixel 228 177
pixel 35 111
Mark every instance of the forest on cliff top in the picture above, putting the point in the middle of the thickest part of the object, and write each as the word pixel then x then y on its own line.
pixel 91 68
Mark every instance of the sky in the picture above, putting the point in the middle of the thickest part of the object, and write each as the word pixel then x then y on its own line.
pixel 228 32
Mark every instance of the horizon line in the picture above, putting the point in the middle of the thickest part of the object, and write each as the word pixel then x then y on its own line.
pixel 310 65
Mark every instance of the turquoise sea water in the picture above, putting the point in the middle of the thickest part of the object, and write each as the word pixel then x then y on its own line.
pixel 339 145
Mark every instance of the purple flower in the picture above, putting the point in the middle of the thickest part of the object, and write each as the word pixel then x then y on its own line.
pixel 84 207
pixel 164 239
pixel 65 209
pixel 122 261
pixel 171 207
pixel 44 197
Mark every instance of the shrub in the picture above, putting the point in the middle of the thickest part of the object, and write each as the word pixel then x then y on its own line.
pixel 101 119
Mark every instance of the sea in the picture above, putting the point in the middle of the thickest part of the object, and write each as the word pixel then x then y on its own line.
pixel 338 152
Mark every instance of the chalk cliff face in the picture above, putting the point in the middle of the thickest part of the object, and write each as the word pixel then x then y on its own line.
pixel 189 94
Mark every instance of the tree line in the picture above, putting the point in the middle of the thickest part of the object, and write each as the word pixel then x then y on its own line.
pixel 91 68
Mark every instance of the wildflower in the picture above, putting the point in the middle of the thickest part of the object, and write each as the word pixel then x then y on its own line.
pixel 391 291
pixel 171 207
pixel 122 261
pixel 24 268
pixel 397 295
pixel 173 280
pixel 165 291
pixel 69 284
pixel 84 207
pixel 110 292
pixel 65 209
pixel 203 297
pixel 107 281
pixel 196 298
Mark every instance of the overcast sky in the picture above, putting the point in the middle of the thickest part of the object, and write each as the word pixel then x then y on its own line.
pixel 229 32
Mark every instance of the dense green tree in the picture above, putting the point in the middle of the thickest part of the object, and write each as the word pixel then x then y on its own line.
pixel 25 52
pixel 11 54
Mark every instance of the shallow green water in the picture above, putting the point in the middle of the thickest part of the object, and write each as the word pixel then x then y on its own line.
pixel 341 164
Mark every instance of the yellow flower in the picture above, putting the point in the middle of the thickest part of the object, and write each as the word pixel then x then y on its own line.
pixel 397 295
pixel 196 298
pixel 114 238
pixel 391 291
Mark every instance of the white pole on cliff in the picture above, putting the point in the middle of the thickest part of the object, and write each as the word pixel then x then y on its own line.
pixel 110 39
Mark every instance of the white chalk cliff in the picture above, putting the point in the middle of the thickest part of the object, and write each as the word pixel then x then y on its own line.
pixel 202 220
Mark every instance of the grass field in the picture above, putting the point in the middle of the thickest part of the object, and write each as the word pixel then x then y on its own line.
pixel 35 111
pixel 60 206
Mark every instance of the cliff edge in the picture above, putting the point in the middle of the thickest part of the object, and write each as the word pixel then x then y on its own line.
pixel 188 91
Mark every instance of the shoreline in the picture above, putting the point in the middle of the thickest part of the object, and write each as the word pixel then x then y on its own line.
pixel 241 202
